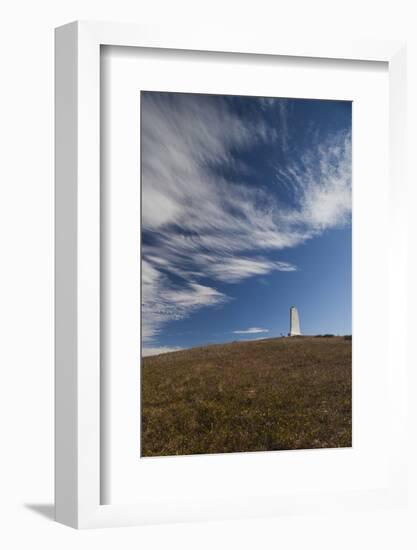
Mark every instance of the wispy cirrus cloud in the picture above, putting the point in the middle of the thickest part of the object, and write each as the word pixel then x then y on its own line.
pixel 200 227
pixel 321 183
pixel 251 330
pixel 163 301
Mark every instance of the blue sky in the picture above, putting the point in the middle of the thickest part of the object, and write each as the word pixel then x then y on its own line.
pixel 246 210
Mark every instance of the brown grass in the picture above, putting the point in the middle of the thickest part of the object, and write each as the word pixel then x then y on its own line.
pixel 284 393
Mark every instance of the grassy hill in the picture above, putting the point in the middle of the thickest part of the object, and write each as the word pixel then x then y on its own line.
pixel 282 393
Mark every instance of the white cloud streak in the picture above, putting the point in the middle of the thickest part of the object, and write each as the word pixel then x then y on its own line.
pixel 147 352
pixel 252 330
pixel 201 226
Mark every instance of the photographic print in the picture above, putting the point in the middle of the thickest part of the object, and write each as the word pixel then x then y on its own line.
pixel 246 336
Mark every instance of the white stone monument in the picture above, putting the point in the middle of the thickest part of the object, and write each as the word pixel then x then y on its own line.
pixel 294 322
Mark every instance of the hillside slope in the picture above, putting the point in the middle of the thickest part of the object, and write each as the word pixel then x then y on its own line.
pixel 283 393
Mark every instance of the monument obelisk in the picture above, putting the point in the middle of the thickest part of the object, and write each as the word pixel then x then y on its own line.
pixel 294 322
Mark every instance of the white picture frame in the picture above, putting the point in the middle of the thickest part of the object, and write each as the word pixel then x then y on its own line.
pixel 78 405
